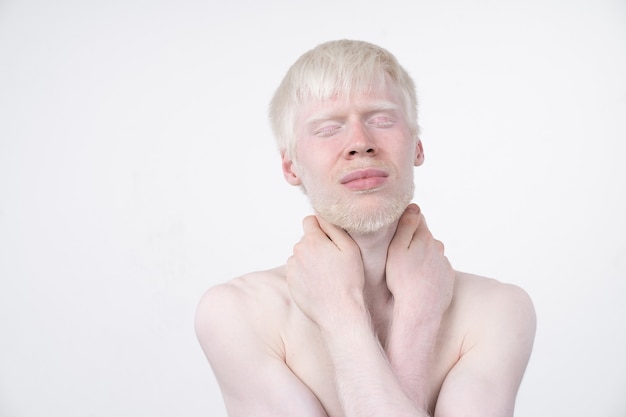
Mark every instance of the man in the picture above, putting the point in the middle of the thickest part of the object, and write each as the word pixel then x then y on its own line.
pixel 367 317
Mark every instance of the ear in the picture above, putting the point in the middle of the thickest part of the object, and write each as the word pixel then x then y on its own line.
pixel 419 153
pixel 289 170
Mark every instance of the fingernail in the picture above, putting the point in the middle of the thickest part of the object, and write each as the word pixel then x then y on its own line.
pixel 414 208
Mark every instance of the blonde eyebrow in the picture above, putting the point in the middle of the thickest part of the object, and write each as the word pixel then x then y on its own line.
pixel 382 105
pixel 321 117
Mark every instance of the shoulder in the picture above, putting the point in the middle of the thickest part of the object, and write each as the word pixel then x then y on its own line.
pixel 252 288
pixel 497 333
pixel 494 309
pixel 475 288
pixel 245 308
pixel 240 326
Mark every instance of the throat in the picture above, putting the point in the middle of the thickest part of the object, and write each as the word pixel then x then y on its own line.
pixel 378 298
pixel 380 307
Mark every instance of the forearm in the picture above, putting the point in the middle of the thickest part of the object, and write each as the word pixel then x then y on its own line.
pixel 410 349
pixel 366 383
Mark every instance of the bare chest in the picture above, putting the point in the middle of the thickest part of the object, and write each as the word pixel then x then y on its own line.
pixel 307 357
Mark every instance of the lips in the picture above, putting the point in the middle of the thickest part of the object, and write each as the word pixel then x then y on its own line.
pixel 363 179
pixel 362 174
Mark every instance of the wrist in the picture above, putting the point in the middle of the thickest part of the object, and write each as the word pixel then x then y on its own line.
pixel 416 307
pixel 413 325
pixel 352 316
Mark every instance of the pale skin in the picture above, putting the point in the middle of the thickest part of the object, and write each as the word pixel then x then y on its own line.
pixel 359 324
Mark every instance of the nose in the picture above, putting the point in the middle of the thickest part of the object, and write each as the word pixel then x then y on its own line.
pixel 360 142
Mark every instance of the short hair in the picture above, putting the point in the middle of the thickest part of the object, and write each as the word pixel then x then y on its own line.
pixel 345 67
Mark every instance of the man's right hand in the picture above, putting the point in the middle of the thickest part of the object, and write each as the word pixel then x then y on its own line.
pixel 325 273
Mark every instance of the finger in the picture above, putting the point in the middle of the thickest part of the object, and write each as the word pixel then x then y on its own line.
pixel 422 231
pixel 340 237
pixel 321 229
pixel 407 226
pixel 310 225
pixel 289 266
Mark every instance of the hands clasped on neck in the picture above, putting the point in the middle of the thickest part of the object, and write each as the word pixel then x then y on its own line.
pixel 326 275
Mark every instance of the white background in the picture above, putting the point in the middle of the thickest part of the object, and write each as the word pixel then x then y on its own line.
pixel 137 169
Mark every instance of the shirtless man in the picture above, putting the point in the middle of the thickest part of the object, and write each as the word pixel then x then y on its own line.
pixel 367 317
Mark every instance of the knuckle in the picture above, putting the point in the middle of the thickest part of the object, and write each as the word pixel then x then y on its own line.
pixel 298 248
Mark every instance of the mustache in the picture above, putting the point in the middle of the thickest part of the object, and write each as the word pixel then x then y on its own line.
pixel 365 165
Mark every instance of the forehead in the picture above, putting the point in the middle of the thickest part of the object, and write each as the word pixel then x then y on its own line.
pixel 385 97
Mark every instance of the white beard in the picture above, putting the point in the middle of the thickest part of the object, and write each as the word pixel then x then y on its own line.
pixel 356 220
pixel 363 212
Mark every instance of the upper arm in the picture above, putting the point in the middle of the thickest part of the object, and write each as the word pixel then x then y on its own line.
pixel 485 380
pixel 254 379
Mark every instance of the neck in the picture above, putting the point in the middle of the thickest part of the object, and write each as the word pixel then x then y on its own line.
pixel 374 246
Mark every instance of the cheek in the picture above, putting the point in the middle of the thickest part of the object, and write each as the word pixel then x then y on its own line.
pixel 406 155
pixel 314 181
pixel 309 179
pixel 312 161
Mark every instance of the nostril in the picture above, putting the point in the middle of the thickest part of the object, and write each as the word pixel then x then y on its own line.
pixel 370 150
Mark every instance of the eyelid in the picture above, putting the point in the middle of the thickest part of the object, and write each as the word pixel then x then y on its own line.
pixel 381 119
pixel 327 129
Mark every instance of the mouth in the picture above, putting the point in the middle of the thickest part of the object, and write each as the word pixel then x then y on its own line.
pixel 364 179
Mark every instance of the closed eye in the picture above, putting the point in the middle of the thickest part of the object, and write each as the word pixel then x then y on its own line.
pixel 381 122
pixel 327 131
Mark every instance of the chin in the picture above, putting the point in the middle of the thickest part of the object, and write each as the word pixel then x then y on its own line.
pixel 359 218
pixel 367 226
